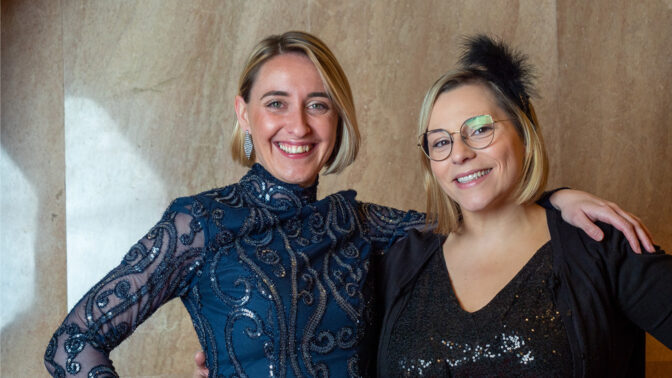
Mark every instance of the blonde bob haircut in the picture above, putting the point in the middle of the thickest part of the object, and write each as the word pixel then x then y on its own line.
pixel 442 211
pixel 335 83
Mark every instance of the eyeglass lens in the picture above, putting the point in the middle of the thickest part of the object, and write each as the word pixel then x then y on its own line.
pixel 476 132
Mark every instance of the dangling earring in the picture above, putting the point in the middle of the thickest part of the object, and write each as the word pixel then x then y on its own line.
pixel 247 144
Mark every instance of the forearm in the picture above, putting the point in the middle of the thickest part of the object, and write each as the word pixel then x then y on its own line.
pixel 156 269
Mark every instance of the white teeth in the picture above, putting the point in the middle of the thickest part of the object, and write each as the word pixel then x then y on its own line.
pixel 292 149
pixel 473 176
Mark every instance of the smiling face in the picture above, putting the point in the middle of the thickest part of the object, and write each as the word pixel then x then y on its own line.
pixel 478 180
pixel 292 120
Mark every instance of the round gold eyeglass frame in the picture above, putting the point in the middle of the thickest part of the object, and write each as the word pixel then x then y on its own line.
pixel 476 132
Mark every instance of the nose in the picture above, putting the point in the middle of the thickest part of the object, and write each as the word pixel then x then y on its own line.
pixel 297 123
pixel 461 152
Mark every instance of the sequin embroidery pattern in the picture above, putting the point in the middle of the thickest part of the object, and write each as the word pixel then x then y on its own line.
pixel 272 278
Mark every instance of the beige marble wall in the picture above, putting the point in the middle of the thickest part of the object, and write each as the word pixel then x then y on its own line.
pixel 32 201
pixel 112 108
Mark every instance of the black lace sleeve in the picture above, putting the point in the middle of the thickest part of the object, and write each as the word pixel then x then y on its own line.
pixel 156 269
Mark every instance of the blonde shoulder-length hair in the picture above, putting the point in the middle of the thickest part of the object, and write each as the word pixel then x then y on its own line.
pixel 335 83
pixel 442 211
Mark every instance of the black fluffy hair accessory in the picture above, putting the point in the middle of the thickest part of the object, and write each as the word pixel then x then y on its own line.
pixel 506 68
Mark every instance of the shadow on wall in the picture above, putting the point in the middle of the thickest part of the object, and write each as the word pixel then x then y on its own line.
pixel 113 197
pixel 18 230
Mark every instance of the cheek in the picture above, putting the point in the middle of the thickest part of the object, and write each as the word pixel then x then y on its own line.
pixel 516 161
pixel 262 126
pixel 440 175
pixel 518 152
pixel 330 132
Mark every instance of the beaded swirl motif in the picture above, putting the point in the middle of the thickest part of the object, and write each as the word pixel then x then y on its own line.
pixel 274 280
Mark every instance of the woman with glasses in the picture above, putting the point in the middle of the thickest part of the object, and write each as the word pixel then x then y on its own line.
pixel 503 286
pixel 274 279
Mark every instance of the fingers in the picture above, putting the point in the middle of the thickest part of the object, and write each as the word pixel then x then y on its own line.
pixel 199 358
pixel 611 213
pixel 645 238
pixel 581 209
pixel 631 235
pixel 643 233
pixel 586 224
pixel 201 370
pixel 640 233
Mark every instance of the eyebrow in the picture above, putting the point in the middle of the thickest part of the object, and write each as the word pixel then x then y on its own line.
pixel 285 94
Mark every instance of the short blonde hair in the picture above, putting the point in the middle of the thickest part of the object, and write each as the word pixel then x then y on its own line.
pixel 441 209
pixel 335 83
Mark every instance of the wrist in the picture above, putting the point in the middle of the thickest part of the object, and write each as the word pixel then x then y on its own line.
pixel 549 200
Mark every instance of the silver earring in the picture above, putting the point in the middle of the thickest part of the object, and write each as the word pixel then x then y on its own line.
pixel 247 144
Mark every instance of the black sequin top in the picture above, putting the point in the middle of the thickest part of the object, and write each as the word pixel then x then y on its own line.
pixel 518 333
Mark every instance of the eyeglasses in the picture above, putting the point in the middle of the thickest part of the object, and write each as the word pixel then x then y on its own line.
pixel 476 132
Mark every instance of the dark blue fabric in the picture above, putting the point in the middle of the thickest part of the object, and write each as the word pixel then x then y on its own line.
pixel 276 282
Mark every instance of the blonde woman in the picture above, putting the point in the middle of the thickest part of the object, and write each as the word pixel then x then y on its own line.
pixel 502 286
pixel 273 278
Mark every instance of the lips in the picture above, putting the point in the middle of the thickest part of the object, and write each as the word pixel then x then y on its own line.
pixel 294 148
pixel 473 176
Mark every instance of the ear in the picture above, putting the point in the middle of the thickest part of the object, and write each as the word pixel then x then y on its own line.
pixel 241 113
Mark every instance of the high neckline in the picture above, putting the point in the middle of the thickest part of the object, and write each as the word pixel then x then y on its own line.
pixel 269 191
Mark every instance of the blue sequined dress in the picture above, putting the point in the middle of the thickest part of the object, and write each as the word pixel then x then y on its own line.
pixel 274 280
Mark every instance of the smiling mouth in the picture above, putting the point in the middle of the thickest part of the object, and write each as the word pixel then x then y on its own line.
pixel 473 176
pixel 295 149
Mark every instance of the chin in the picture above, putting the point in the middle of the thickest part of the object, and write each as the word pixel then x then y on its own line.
pixel 302 180
pixel 471 207
pixel 474 205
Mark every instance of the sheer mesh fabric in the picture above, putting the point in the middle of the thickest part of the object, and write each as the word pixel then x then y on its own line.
pixel 241 258
pixel 155 270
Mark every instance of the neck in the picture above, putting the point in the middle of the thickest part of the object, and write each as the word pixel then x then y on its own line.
pixel 499 224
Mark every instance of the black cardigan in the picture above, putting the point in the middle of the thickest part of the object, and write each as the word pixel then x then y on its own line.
pixel 607 295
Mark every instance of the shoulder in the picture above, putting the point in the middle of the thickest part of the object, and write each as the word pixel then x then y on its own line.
pixel 227 195
pixel 398 268
pixel 200 204
pixel 391 215
pixel 572 238
pixel 349 196
pixel 420 240
pixel 415 248
pixel 407 256
pixel 573 247
pixel 572 244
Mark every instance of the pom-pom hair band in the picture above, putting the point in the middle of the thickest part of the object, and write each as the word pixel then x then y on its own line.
pixel 506 68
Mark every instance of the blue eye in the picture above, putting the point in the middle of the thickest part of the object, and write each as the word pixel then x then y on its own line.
pixel 274 104
pixel 318 107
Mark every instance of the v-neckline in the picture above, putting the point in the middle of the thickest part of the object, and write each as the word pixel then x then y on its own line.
pixel 508 293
